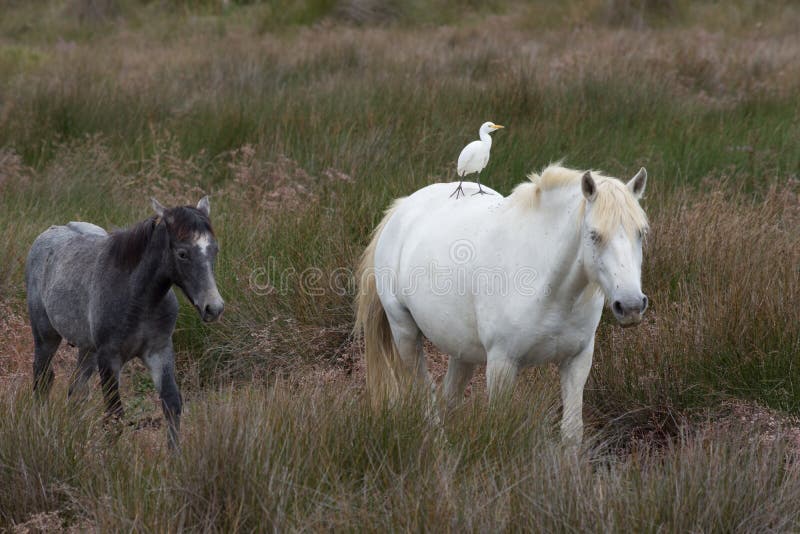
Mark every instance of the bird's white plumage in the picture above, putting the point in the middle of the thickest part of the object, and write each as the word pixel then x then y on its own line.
pixel 475 156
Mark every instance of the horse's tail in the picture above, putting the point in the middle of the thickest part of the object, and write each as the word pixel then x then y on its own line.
pixel 380 351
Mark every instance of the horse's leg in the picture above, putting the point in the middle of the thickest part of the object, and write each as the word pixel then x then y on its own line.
pixel 500 374
pixel 109 365
pixel 574 373
pixel 46 341
pixel 161 364
pixel 87 361
pixel 458 375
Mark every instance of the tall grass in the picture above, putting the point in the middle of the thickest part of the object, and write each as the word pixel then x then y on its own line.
pixel 262 459
pixel 723 281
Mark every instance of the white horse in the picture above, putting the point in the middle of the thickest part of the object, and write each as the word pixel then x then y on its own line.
pixel 509 282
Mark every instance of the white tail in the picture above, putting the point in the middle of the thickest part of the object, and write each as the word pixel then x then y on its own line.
pixel 380 352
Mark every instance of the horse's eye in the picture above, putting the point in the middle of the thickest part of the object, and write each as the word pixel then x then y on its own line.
pixel 183 255
pixel 594 236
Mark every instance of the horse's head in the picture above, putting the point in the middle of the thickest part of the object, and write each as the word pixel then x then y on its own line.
pixel 192 254
pixel 612 231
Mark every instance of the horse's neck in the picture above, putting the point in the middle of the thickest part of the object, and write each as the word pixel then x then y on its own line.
pixel 150 280
pixel 559 211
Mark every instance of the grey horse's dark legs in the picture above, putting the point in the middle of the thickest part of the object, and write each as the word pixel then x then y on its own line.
pixel 161 363
pixel 46 341
pixel 109 380
pixel 172 404
pixel 87 361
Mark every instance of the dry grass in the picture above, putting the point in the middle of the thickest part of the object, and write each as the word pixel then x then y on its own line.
pixel 268 460
pixel 722 268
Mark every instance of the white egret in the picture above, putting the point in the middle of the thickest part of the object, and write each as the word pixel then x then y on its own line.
pixel 475 156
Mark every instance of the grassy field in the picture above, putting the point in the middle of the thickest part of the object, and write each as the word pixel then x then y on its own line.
pixel 303 120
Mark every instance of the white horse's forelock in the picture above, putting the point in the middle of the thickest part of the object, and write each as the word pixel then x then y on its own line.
pixel 614 206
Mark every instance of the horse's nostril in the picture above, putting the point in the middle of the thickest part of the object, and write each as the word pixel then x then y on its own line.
pixel 644 303
pixel 212 311
pixel 617 307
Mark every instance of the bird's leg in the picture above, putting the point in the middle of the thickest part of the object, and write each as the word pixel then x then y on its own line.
pixel 480 189
pixel 459 190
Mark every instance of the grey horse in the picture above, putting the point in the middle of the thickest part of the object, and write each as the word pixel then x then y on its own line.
pixel 111 296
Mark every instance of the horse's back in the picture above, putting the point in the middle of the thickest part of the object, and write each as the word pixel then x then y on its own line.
pixel 431 214
pixel 57 239
pixel 86 228
pixel 442 191
pixel 433 206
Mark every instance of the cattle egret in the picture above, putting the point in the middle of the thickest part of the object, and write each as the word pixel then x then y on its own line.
pixel 475 156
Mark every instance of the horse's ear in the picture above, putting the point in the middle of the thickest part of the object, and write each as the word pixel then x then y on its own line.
pixel 588 186
pixel 157 207
pixel 205 206
pixel 638 183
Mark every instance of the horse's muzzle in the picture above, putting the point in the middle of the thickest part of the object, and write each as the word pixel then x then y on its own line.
pixel 629 312
pixel 211 312
pixel 630 320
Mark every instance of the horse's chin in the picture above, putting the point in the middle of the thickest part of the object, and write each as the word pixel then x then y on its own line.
pixel 208 317
pixel 629 322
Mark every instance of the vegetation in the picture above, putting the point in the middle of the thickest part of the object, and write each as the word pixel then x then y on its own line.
pixel 303 120
pixel 269 460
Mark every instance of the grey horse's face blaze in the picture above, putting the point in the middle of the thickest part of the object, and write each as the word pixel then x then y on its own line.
pixel 193 267
pixel 192 254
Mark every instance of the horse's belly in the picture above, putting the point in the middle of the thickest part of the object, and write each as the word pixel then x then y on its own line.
pixel 457 344
pixel 66 310
pixel 450 327
pixel 459 339
pixel 553 349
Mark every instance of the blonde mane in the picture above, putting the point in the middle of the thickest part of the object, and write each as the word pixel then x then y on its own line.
pixel 614 206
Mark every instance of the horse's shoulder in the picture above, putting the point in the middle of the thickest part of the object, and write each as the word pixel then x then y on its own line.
pixel 170 303
pixel 169 308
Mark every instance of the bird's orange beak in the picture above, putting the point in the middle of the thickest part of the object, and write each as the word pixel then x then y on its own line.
pixel 497 126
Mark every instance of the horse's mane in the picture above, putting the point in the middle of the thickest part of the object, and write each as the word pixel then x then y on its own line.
pixel 128 245
pixel 615 205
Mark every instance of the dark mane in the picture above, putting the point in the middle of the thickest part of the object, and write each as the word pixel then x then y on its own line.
pixel 128 245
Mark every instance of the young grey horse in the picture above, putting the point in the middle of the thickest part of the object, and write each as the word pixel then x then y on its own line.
pixel 111 296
